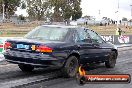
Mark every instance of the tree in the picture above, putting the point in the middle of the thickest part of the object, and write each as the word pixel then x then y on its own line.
pixel 1 8
pixel 87 17
pixel 10 7
pixel 57 7
pixel 104 18
pixel 38 9
pixel 65 9
pixel 77 11
pixel 23 5
pixel 124 19
pixel 62 9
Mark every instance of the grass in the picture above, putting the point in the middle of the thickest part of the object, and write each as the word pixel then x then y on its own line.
pixel 110 30
pixel 9 30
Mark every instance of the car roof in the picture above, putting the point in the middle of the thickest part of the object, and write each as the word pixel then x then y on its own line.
pixel 67 26
pixel 61 26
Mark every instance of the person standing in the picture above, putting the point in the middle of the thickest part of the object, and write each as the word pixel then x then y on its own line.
pixel 119 31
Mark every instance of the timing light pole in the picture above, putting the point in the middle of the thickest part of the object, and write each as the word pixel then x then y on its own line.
pixel 3 11
pixel 118 15
pixel 117 23
pixel 131 10
pixel 131 15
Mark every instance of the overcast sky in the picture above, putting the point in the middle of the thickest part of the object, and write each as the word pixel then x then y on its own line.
pixel 107 8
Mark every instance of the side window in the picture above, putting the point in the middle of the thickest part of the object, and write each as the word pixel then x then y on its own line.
pixel 95 37
pixel 84 36
pixel 76 36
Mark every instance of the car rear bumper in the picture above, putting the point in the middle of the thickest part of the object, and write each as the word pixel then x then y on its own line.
pixel 39 60
pixel 34 62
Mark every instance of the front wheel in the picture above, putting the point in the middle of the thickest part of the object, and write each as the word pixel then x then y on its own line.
pixel 110 63
pixel 26 68
pixel 70 67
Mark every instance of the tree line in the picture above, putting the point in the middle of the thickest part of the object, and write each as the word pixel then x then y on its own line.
pixel 53 10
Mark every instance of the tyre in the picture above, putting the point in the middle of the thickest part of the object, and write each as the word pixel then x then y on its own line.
pixel 26 68
pixel 111 60
pixel 70 67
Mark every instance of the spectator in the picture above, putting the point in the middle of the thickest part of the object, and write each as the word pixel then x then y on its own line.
pixel 113 22
pixel 105 24
pixel 120 21
pixel 101 24
pixel 108 23
pixel 119 31
pixel 86 23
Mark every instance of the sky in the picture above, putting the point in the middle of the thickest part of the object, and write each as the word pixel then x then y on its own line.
pixel 107 8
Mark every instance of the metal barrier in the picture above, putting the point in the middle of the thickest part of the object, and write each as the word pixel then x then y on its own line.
pixel 117 40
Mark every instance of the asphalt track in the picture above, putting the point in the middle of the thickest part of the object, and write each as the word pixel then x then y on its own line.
pixel 12 77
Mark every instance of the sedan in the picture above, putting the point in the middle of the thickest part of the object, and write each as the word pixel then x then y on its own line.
pixel 59 46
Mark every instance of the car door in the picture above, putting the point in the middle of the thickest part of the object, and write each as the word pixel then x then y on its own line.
pixel 101 52
pixel 84 44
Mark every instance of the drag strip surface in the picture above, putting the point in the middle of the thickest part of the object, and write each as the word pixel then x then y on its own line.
pixel 123 66
pixel 11 76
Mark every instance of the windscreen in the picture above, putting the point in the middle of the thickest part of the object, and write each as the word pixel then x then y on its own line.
pixel 48 33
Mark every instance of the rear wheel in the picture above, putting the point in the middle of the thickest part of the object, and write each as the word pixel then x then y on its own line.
pixel 70 67
pixel 112 60
pixel 26 68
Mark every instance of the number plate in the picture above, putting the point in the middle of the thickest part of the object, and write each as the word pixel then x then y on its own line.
pixel 21 46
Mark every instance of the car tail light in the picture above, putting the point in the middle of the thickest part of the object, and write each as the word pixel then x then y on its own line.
pixel 43 49
pixel 1 46
pixel 7 45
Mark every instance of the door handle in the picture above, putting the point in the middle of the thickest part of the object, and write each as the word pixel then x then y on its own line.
pixel 95 46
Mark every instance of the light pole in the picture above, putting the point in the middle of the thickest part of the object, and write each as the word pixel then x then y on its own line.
pixel 99 18
pixel 131 15
pixel 99 12
pixel 131 9
pixel 3 11
pixel 117 24
pixel 118 15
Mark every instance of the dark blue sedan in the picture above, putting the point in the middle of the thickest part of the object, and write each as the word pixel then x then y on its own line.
pixel 64 47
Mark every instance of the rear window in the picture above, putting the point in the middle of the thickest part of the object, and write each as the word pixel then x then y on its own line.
pixel 48 33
